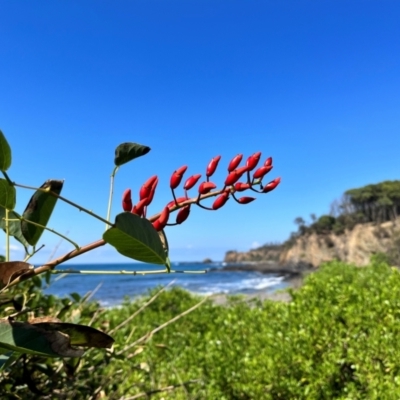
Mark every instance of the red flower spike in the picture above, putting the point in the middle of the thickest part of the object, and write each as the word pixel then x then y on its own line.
pixel 253 160
pixel 179 200
pixel 190 182
pixel 268 162
pixel 235 162
pixel 212 166
pixel 245 200
pixel 183 214
pixel 157 225
pixel 260 172
pixel 206 187
pixel 146 188
pixel 241 187
pixel 127 200
pixel 234 176
pixel 176 177
pixel 271 185
pixel 220 200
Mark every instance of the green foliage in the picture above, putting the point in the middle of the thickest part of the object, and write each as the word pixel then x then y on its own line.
pixel 126 152
pixel 337 339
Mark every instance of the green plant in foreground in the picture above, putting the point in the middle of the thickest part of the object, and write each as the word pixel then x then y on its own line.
pixel 132 234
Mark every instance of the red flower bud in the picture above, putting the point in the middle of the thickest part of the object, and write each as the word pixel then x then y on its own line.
pixel 127 200
pixel 241 187
pixel 179 200
pixel 139 207
pixel 146 188
pixel 183 214
pixel 271 185
pixel 220 200
pixel 176 177
pixel 206 187
pixel 235 162
pixel 212 166
pixel 252 161
pixel 260 172
pixel 159 224
pixel 245 200
pixel 149 198
pixel 190 182
pixel 268 162
pixel 235 175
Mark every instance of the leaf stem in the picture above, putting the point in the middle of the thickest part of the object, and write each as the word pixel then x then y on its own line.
pixel 124 272
pixel 51 230
pixel 111 195
pixel 80 208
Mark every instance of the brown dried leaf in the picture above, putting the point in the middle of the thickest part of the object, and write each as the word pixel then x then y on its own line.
pixel 10 270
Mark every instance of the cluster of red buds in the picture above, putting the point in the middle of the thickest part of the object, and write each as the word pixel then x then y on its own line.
pixel 206 189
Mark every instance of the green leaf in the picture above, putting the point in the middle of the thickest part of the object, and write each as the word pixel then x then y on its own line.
pixel 50 339
pixel 79 335
pixel 136 238
pixel 27 338
pixel 14 226
pixel 126 152
pixel 5 153
pixel 7 195
pixel 39 210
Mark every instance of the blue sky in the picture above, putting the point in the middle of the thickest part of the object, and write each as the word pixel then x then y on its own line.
pixel 313 84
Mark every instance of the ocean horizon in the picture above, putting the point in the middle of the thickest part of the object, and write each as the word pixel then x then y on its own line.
pixel 111 289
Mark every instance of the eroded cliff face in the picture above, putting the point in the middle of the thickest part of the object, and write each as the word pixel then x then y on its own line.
pixel 355 246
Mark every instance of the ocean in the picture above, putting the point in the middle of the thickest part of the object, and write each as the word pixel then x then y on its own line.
pixel 110 290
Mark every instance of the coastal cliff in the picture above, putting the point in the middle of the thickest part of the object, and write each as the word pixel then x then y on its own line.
pixel 354 246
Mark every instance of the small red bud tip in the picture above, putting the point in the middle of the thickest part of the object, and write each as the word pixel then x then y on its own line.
pixel 268 162
pixel 176 177
pixel 206 187
pixel 235 175
pixel 146 188
pixel 179 200
pixel 271 185
pixel 190 182
pixel 241 187
pixel 212 166
pixel 160 223
pixel 220 200
pixel 149 198
pixel 139 207
pixel 183 214
pixel 245 200
pixel 260 172
pixel 127 200
pixel 253 160
pixel 235 162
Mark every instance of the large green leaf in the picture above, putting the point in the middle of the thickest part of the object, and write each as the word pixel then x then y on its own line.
pixel 79 335
pixel 39 210
pixel 126 152
pixel 50 339
pixel 136 238
pixel 27 338
pixel 14 226
pixel 5 153
pixel 7 194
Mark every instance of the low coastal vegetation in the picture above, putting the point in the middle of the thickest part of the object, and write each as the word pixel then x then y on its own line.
pixel 337 338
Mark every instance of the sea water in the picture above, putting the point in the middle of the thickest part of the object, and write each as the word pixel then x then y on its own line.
pixel 110 290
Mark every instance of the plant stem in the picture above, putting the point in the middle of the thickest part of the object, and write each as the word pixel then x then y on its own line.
pixel 124 272
pixel 111 195
pixel 80 208
pixel 51 230
pixel 7 238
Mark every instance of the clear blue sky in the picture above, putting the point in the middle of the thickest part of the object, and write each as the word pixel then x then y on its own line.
pixel 314 84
